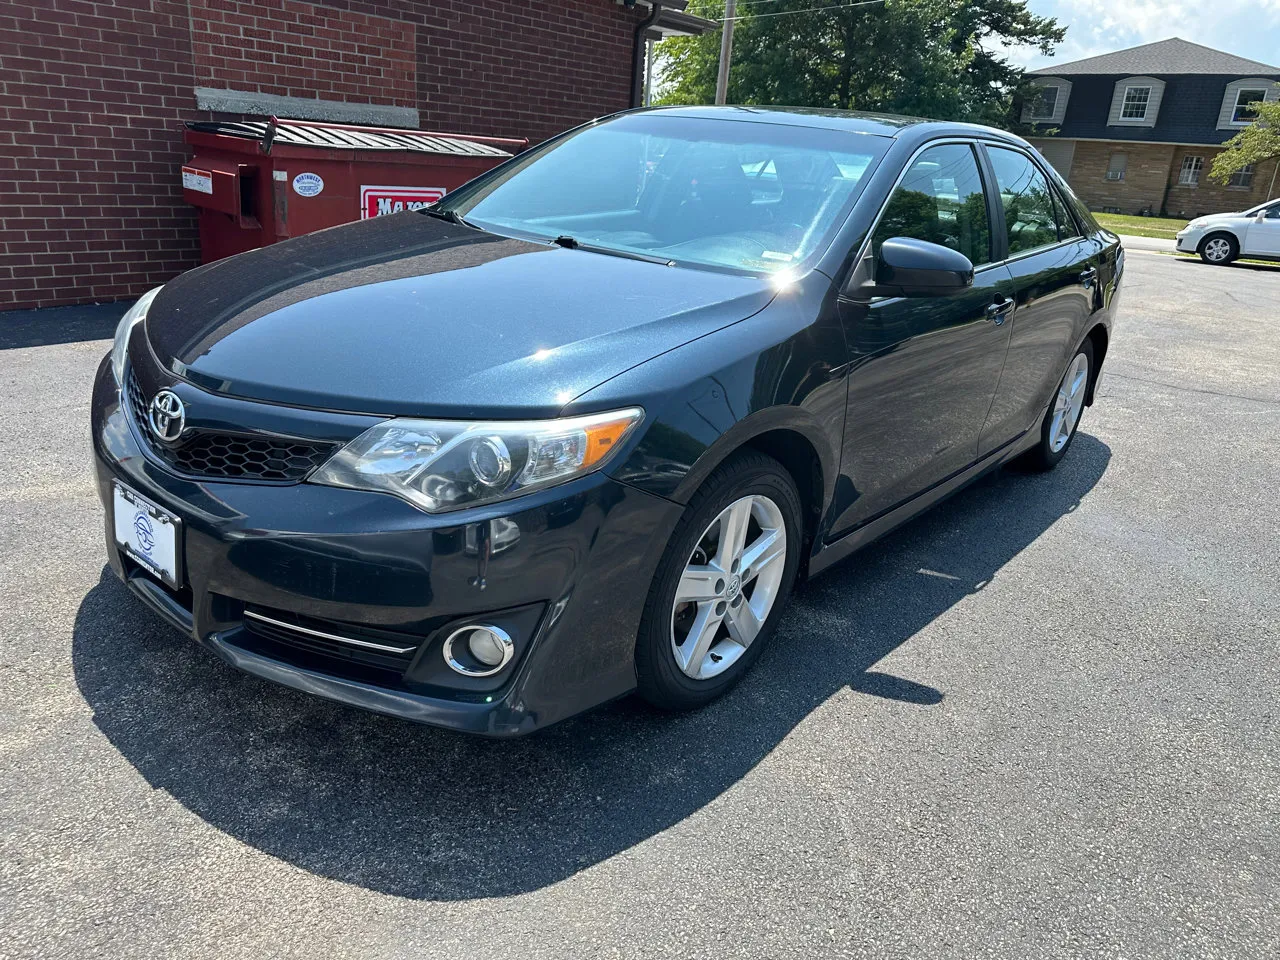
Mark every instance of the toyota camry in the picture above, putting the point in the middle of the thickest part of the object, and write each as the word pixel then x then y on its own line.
pixel 578 428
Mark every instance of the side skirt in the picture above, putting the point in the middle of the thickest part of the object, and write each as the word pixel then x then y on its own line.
pixel 832 553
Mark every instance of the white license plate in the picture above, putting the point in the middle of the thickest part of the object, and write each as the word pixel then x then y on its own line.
pixel 148 534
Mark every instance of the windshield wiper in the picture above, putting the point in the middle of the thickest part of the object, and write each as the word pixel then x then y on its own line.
pixel 450 216
pixel 570 243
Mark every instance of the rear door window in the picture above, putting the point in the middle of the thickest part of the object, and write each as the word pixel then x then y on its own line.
pixel 1067 228
pixel 1029 214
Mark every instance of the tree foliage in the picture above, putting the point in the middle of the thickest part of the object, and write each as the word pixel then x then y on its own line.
pixel 931 58
pixel 1251 145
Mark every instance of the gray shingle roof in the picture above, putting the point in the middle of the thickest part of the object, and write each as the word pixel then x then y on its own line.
pixel 1174 55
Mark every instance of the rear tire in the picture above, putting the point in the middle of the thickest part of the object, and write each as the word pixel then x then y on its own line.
pixel 1219 249
pixel 1062 419
pixel 722 584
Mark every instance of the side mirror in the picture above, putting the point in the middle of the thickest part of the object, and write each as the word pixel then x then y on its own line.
pixel 1262 215
pixel 918 268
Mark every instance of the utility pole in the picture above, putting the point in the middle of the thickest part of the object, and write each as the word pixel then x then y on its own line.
pixel 726 50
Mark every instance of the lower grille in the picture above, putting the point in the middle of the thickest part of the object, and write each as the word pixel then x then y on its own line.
pixel 230 456
pixel 378 649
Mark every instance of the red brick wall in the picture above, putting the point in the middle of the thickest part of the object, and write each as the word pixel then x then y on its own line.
pixel 93 96
pixel 303 50
pixel 91 101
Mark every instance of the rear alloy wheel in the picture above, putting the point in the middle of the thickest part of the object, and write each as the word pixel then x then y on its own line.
pixel 725 577
pixel 1219 249
pixel 1063 416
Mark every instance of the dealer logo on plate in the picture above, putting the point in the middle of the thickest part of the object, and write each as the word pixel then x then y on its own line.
pixel 143 530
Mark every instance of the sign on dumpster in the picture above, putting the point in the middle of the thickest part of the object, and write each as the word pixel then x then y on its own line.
pixel 199 180
pixel 379 201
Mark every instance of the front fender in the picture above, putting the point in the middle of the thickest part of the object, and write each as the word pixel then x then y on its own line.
pixel 780 370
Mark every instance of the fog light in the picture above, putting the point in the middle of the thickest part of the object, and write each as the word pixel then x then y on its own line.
pixel 478 650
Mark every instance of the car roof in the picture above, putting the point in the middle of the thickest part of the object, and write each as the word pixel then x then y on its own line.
pixel 852 121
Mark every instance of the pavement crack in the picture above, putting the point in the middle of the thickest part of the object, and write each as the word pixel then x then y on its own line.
pixel 1174 386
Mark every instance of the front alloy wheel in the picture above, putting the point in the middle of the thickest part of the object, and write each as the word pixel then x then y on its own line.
pixel 728 587
pixel 723 581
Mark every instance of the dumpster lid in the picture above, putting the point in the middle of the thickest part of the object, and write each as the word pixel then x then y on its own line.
pixel 330 137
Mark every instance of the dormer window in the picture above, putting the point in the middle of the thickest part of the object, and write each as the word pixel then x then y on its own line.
pixel 1238 100
pixel 1047 103
pixel 1136 100
pixel 1245 110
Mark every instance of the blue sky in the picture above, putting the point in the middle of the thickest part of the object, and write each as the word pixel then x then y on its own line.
pixel 1247 28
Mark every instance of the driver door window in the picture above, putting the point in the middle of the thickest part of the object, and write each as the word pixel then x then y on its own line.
pixel 940 199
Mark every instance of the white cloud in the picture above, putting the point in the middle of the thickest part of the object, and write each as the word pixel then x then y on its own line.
pixel 1246 28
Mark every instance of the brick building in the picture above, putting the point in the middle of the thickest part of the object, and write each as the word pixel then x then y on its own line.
pixel 1136 131
pixel 93 96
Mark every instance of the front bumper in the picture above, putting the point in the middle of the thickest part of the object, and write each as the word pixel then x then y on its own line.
pixel 568 568
pixel 1188 240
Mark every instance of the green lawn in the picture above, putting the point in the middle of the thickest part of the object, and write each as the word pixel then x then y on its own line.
pixel 1141 226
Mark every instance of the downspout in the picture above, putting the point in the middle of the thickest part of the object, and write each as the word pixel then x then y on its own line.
pixel 637 54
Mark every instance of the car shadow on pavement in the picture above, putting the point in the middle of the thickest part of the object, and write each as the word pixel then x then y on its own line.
pixel 423 813
pixel 42 328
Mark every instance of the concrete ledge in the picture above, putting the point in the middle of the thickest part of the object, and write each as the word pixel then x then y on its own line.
pixel 304 108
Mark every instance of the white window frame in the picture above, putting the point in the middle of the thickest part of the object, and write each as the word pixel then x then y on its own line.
pixel 1190 170
pixel 1124 103
pixel 1113 169
pixel 1238 106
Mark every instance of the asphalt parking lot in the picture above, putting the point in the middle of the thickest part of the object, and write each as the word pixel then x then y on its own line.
pixel 1041 721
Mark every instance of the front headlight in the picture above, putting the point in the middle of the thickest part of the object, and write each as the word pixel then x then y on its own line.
pixel 440 465
pixel 120 348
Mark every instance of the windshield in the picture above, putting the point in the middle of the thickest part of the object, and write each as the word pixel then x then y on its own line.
pixel 1254 211
pixel 757 197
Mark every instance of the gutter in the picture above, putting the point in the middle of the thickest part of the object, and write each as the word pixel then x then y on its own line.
pixel 637 54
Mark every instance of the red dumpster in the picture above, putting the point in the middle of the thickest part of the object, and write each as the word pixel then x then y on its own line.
pixel 256 182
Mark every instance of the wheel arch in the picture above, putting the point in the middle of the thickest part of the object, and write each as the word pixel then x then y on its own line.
pixel 795 442
pixel 1100 338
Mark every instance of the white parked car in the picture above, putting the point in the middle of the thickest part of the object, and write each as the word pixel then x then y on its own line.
pixel 1222 237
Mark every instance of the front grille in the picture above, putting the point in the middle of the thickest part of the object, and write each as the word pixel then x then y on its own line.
pixel 295 635
pixel 230 456
pixel 137 402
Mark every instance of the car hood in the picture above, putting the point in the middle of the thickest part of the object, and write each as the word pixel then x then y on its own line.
pixel 1213 218
pixel 409 314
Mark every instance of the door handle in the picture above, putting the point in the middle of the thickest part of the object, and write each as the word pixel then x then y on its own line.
pixel 998 311
pixel 1089 277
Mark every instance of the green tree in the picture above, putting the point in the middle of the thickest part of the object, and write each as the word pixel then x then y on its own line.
pixel 932 58
pixel 1251 145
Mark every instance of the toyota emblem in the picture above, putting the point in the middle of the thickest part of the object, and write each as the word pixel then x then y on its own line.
pixel 168 416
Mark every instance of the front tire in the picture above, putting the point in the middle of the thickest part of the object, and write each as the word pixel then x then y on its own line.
pixel 1219 249
pixel 723 581
pixel 1062 419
